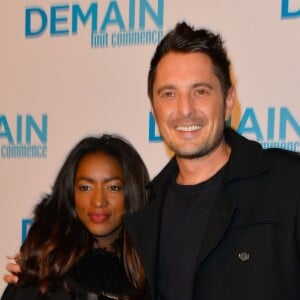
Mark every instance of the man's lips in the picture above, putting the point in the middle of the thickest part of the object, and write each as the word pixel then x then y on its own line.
pixel 189 128
pixel 99 217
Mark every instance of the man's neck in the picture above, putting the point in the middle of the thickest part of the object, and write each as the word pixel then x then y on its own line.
pixel 197 170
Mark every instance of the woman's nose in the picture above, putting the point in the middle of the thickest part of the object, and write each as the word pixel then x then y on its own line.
pixel 99 198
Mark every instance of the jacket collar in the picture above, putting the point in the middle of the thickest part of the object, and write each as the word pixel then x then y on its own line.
pixel 247 157
pixel 246 160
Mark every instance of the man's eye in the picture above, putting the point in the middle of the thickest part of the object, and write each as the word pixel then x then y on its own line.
pixel 200 92
pixel 168 94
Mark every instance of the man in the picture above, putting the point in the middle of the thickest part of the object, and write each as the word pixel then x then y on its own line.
pixel 224 222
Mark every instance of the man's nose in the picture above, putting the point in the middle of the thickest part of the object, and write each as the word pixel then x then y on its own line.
pixel 185 105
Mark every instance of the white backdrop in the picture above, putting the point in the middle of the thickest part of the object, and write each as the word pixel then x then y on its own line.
pixel 56 86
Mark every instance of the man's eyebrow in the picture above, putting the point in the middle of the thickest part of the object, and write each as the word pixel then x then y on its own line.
pixel 202 84
pixel 165 87
pixel 193 85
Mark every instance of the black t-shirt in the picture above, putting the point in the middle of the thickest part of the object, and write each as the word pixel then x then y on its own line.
pixel 186 212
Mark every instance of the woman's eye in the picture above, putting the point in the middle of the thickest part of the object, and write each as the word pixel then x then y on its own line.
pixel 84 188
pixel 115 188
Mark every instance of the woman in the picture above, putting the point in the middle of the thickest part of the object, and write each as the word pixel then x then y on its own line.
pixel 77 247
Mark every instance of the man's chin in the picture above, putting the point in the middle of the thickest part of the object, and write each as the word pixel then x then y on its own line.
pixel 190 154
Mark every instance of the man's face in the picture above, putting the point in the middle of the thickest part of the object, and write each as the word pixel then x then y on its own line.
pixel 188 104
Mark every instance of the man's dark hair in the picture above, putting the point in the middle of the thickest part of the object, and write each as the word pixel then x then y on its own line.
pixel 184 38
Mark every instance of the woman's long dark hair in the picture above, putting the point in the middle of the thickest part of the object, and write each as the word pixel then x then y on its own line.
pixel 57 238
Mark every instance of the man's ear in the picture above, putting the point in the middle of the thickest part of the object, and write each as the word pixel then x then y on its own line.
pixel 229 102
pixel 152 108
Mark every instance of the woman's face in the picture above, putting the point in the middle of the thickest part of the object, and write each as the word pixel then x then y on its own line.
pixel 99 196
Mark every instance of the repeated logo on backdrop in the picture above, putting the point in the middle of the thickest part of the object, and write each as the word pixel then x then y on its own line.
pixel 23 136
pixel 26 223
pixel 290 9
pixel 111 23
pixel 278 122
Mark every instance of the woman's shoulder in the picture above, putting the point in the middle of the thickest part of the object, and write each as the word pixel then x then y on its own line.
pixel 30 292
pixel 100 272
pixel 16 292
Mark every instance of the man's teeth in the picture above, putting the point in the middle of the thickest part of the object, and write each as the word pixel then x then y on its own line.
pixel 188 128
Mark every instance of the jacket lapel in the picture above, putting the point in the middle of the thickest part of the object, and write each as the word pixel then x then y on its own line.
pixel 240 166
pixel 218 223
pixel 143 229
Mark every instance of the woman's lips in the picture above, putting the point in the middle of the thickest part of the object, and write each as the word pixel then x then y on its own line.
pixel 99 217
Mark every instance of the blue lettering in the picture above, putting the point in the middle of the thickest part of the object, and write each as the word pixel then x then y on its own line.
pixel 286 116
pixel 55 20
pixel 131 14
pixel 254 128
pixel 29 13
pixel 6 133
pixel 157 18
pixel 153 137
pixel 19 129
pixel 271 123
pixel 285 11
pixel 113 8
pixel 30 126
pixel 77 12
pixel 41 133
pixel 249 125
pixel 60 23
pixel 26 223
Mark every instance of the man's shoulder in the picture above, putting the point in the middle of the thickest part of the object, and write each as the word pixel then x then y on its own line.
pixel 241 143
pixel 283 154
pixel 283 158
